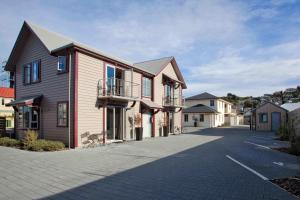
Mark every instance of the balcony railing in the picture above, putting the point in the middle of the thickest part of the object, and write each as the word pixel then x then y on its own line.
pixel 118 88
pixel 176 101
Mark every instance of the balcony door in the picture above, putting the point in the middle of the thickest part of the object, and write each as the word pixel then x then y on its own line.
pixel 110 79
pixel 114 81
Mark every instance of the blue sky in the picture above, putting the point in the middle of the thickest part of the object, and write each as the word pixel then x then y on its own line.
pixel 244 47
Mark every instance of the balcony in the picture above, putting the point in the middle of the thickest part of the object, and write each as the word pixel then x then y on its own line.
pixel 175 101
pixel 118 89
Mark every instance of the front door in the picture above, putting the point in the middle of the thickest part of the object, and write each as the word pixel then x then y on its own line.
pixel 171 122
pixel 276 121
pixel 147 125
pixel 114 123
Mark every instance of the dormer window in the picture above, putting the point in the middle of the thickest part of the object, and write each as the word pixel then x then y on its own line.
pixel 62 64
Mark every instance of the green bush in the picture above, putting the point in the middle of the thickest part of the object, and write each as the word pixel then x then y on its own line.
pixel 6 141
pixel 45 145
pixel 30 136
pixel 295 146
pixel 283 133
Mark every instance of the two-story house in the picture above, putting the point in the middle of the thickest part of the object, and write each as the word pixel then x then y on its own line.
pixel 206 110
pixel 71 92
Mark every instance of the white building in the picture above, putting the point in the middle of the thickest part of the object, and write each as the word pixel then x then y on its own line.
pixel 207 110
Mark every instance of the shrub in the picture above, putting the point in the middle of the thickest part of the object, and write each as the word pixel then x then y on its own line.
pixel 30 136
pixel 45 145
pixel 283 133
pixel 295 146
pixel 6 141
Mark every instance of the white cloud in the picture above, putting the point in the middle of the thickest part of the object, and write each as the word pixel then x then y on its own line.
pixel 272 69
pixel 145 30
pixel 165 28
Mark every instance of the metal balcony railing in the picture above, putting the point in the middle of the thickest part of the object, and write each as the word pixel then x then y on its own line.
pixel 118 88
pixel 173 101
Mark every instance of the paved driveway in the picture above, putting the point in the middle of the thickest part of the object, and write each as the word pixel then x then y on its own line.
pixel 189 166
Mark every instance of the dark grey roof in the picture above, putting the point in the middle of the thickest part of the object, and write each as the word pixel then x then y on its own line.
pixel 153 66
pixel 199 108
pixel 204 95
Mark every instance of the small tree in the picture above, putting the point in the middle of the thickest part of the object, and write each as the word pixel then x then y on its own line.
pixel 138 120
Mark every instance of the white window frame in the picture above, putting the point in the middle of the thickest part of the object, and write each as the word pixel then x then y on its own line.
pixel 58 64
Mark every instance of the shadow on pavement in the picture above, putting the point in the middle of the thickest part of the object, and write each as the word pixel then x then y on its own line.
pixel 201 172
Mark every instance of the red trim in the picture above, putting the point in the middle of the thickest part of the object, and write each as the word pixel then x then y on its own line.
pixel 104 105
pixel 153 125
pixel 142 86
pixel 76 100
pixel 15 93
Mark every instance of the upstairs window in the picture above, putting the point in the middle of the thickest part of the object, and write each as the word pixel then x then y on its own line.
pixel 212 103
pixel 147 87
pixel 35 71
pixel 62 64
pixel 27 73
pixel 32 72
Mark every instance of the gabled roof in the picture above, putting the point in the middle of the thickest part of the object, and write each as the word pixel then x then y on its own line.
pixel 199 108
pixel 269 103
pixel 156 66
pixel 55 42
pixel 202 96
pixel 7 92
pixel 291 106
pixel 153 66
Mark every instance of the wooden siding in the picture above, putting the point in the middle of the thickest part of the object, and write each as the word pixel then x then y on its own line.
pixel 209 120
pixel 54 88
pixel 158 98
pixel 294 121
pixel 90 116
pixel 269 108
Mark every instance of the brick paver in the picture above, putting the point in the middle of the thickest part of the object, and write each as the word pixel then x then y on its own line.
pixel 188 166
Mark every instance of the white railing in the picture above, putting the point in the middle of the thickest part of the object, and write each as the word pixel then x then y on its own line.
pixel 118 87
pixel 175 101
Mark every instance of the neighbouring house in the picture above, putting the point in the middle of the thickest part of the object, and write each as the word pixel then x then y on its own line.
pixel 6 113
pixel 293 116
pixel 268 117
pixel 207 110
pixel 73 93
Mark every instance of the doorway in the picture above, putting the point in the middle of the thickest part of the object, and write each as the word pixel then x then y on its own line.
pixel 170 121
pixel 275 121
pixel 147 125
pixel 114 123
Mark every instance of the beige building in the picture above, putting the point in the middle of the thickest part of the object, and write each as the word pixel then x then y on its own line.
pixel 70 92
pixel 293 116
pixel 6 113
pixel 207 110
pixel 268 117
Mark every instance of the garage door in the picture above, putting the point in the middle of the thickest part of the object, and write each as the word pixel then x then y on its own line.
pixel 147 125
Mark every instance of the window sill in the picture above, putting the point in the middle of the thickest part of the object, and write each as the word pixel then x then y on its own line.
pixel 62 72
pixel 60 126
